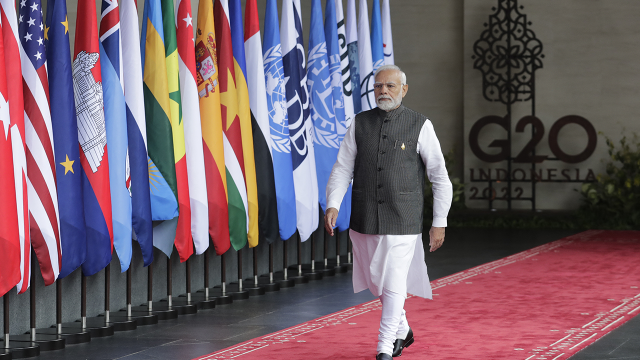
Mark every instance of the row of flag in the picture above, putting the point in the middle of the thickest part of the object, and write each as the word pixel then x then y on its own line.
pixel 170 139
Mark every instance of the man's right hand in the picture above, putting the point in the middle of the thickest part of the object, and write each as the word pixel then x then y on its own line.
pixel 330 218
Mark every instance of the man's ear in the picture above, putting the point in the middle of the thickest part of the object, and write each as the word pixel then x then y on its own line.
pixel 405 88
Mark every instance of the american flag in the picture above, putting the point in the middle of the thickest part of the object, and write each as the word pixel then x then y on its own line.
pixel 41 181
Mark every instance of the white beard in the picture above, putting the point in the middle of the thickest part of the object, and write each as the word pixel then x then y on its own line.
pixel 387 105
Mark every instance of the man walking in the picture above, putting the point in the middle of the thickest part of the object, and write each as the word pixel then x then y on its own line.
pixel 387 151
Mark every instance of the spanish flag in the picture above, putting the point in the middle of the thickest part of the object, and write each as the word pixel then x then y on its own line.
pixel 209 92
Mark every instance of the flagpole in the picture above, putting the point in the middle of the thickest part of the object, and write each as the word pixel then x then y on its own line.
pixel 129 291
pixel 223 298
pixel 150 288
pixel 256 289
pixel 46 342
pixel 339 268
pixel 300 279
pixel 148 310
pixel 240 294
pixel 313 274
pixel 206 302
pixel 286 282
pixel 185 303
pixel 271 286
pixel 326 270
pixel 18 349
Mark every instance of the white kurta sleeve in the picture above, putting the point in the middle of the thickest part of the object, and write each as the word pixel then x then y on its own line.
pixel 429 150
pixel 342 171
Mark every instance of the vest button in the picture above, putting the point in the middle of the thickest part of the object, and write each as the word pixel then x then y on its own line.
pixel 381 152
pixel 379 169
pixel 384 136
pixel 380 201
pixel 379 186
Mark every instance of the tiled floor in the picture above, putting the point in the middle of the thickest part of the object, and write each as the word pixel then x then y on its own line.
pixel 191 336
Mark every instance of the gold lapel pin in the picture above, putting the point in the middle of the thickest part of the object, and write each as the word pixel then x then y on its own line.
pixel 402 147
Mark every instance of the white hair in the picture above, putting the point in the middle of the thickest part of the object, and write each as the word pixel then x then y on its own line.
pixel 403 76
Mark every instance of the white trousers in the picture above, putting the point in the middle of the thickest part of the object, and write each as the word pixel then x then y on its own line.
pixel 393 322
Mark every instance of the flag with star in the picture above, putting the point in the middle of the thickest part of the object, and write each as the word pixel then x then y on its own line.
pixel 65 139
pixel 115 113
pixel 162 171
pixel 192 127
pixel 136 130
pixel 9 234
pixel 233 154
pixel 183 238
pixel 212 135
pixel 92 136
pixel 268 210
pixel 18 145
pixel 244 115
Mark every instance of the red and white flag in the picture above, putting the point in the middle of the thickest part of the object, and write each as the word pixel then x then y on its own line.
pixel 18 145
pixel 9 234
pixel 192 126
pixel 41 180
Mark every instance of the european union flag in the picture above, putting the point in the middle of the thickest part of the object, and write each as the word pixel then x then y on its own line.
pixel 65 138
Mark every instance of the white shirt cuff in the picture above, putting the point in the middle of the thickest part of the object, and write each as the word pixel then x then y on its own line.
pixel 333 204
pixel 439 222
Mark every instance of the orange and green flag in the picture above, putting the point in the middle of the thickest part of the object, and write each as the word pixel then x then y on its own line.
pixel 183 240
pixel 212 135
pixel 231 127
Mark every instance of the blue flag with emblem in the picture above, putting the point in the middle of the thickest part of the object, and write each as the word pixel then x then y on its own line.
pixel 328 131
pixel 65 139
pixel 339 106
pixel 278 122
pixel 377 45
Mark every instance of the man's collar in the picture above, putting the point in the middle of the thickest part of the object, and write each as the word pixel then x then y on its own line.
pixel 392 113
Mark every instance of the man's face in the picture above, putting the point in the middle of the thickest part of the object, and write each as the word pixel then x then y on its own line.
pixel 389 90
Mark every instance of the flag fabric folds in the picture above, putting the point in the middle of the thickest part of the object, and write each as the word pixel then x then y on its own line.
pixel 115 115
pixel 233 149
pixel 212 135
pixel 9 234
pixel 183 238
pixel 347 87
pixel 87 85
pixel 138 181
pixel 300 127
pixel 333 134
pixel 266 188
pixel 387 39
pixel 365 59
pixel 278 123
pixel 352 51
pixel 377 50
pixel 18 145
pixel 69 172
pixel 162 170
pixel 192 126
pixel 244 115
pixel 41 183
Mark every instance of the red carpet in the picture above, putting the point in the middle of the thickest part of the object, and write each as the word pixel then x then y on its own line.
pixel 545 303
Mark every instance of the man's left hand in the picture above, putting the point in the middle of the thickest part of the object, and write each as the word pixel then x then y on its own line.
pixel 436 238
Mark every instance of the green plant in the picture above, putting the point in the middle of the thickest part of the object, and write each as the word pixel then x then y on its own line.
pixel 458 189
pixel 613 200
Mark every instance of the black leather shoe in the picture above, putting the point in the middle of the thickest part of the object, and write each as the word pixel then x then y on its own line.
pixel 383 356
pixel 400 344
